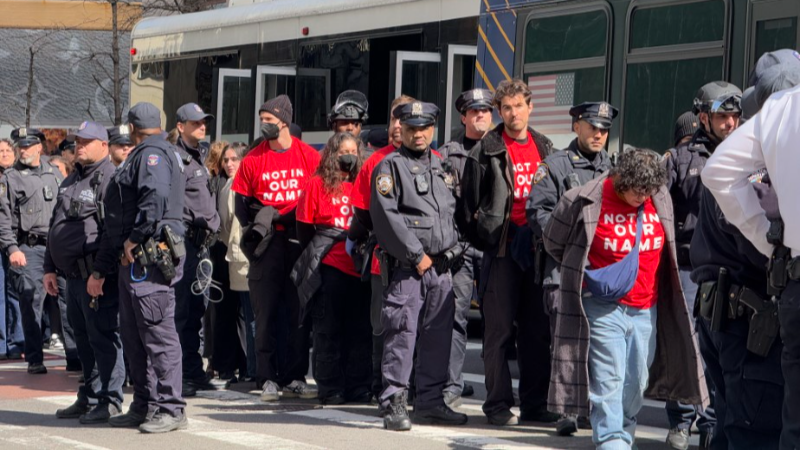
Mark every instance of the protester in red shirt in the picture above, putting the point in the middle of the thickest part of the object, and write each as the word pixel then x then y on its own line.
pixel 340 309
pixel 624 288
pixel 274 175
pixel 360 236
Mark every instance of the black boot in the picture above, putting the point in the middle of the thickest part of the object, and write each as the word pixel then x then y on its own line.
pixel 396 417
pixel 439 415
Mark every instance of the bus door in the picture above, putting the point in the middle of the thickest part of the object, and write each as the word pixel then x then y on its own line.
pixel 460 69
pixel 233 100
pixel 415 74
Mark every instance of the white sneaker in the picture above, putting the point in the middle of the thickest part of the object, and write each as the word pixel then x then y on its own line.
pixel 55 342
pixel 299 389
pixel 270 392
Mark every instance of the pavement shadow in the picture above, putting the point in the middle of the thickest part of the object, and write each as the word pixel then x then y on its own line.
pixel 30 419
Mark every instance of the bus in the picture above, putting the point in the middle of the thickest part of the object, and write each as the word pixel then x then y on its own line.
pixel 231 60
pixel 646 57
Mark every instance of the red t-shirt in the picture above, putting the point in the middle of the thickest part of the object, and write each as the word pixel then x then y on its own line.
pixel 615 236
pixel 276 178
pixel 319 207
pixel 526 159
pixel 362 188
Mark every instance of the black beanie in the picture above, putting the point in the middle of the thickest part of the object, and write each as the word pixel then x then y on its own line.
pixel 686 125
pixel 280 107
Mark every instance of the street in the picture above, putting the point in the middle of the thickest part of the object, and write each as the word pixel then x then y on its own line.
pixel 237 418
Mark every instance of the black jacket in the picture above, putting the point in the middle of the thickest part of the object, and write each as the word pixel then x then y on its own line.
pixel 487 190
pixel 305 273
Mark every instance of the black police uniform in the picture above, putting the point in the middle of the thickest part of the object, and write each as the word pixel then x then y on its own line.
pixel 151 197
pixel 749 387
pixel 77 227
pixel 27 197
pixel 201 221
pixel 412 208
pixel 455 155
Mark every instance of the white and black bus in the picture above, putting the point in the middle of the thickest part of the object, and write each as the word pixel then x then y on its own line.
pixel 231 60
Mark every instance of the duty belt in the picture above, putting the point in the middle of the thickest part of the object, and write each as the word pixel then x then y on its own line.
pixel 30 239
pixel 200 237
pixel 793 269
pixel 737 296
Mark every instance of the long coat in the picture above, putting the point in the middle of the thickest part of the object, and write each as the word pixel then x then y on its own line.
pixel 677 370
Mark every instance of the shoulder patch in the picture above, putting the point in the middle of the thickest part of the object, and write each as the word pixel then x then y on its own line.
pixel 541 172
pixel 152 160
pixel 384 183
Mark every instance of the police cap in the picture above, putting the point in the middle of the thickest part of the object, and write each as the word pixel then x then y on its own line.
pixel 91 131
pixel 66 145
pixel 718 97
pixel 598 114
pixel 417 114
pixel 474 99
pixel 192 111
pixel 144 115
pixel 26 137
pixel 769 59
pixel 350 105
pixel 120 135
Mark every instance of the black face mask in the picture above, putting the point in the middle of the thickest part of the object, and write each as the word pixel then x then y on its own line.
pixel 347 162
pixel 270 131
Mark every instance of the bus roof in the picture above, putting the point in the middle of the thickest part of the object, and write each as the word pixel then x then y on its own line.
pixel 280 20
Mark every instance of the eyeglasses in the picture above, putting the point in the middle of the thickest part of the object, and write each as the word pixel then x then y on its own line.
pixel 227 160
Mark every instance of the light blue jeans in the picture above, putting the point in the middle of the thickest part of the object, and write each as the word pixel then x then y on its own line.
pixel 621 348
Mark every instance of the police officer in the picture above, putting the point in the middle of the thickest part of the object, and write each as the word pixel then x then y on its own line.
pixel 119 144
pixel 145 219
pixel 77 225
pixel 349 113
pixel 475 107
pixel 718 107
pixel 201 222
pixel 28 193
pixel 412 208
pixel 582 161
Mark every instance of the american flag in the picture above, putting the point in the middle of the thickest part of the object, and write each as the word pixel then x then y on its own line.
pixel 552 97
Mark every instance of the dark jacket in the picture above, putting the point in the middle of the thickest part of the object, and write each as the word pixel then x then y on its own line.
pixel 257 235
pixel 200 210
pixel 487 190
pixel 305 273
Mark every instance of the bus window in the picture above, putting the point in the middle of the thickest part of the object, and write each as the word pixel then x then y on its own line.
pixel 672 51
pixel 775 34
pixel 564 64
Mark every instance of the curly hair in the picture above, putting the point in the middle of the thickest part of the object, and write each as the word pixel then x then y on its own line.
pixel 511 88
pixel 638 168
pixel 328 169
pixel 214 157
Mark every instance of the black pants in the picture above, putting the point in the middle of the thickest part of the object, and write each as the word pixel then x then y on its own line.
pixel 749 388
pixel 342 335
pixel 25 285
pixel 376 304
pixel 228 354
pixel 789 313
pixel 512 297
pixel 189 311
pixel 281 338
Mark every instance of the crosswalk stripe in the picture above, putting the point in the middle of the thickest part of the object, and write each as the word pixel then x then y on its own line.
pixel 254 440
pixel 49 441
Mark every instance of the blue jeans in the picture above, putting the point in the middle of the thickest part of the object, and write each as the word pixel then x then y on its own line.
pixel 250 332
pixel 622 342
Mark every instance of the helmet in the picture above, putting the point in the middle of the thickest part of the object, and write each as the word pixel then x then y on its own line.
pixel 350 105
pixel 718 97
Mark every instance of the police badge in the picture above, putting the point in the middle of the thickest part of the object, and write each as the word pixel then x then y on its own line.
pixel 384 183
pixel 603 110
pixel 541 172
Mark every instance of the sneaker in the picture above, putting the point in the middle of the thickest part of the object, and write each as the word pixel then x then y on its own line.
pixel 452 400
pixel 543 416
pixel 55 342
pixel 163 423
pixel 396 413
pixel 36 369
pixel 439 415
pixel 100 414
pixel 270 392
pixel 503 419
pixel 567 425
pixel 72 411
pixel 678 438
pixel 130 419
pixel 299 389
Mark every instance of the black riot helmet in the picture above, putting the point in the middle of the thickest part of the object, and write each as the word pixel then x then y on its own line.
pixel 718 97
pixel 350 105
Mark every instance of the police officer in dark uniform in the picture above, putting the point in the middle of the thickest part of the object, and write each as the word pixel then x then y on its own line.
pixel 146 220
pixel 739 336
pixel 349 114
pixel 28 193
pixel 77 226
pixel 718 107
pixel 476 108
pixel 202 223
pixel 582 161
pixel 412 208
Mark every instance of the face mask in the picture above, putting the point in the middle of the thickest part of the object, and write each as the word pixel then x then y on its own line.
pixel 347 162
pixel 270 131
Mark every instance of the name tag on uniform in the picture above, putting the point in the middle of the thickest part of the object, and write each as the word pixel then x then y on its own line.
pixel 694 171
